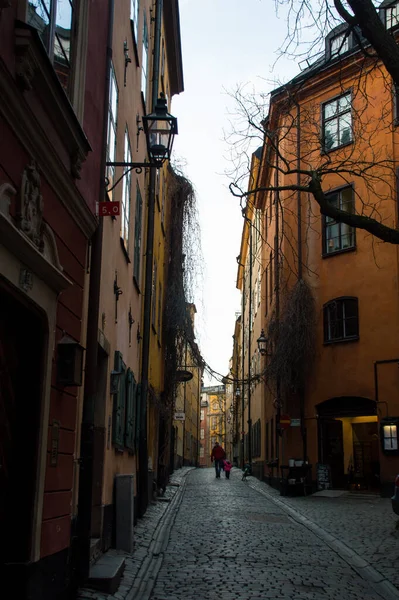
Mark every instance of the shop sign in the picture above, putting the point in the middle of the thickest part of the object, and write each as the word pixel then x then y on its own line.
pixel 180 416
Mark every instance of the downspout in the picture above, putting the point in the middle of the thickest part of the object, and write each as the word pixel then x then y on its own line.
pixel 300 270
pixel 249 344
pixel 143 448
pixel 90 390
pixel 242 370
pixel 277 288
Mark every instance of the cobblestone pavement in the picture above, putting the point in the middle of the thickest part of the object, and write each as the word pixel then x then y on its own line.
pixel 221 539
pixel 364 523
pixel 229 542
pixel 145 533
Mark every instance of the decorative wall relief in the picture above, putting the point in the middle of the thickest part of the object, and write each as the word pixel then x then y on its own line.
pixel 30 210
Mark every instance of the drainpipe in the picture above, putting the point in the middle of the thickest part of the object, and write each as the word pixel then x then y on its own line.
pixel 143 448
pixel 242 369
pixel 90 388
pixel 277 288
pixel 249 344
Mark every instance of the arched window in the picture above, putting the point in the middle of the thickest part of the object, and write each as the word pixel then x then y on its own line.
pixel 341 320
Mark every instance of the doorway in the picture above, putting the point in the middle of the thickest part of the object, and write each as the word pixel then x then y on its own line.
pixel 348 442
pixel 22 340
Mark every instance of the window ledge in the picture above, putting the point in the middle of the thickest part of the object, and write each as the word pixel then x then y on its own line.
pixel 354 338
pixel 326 151
pixel 342 251
pixel 124 250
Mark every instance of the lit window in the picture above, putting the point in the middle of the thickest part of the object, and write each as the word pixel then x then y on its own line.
pixel 53 20
pixel 341 320
pixel 339 45
pixel 126 192
pixel 390 437
pixel 144 59
pixel 392 16
pixel 134 16
pixel 337 122
pixel 339 236
pixel 111 127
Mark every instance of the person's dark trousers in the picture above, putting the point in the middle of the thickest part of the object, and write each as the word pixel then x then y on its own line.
pixel 218 466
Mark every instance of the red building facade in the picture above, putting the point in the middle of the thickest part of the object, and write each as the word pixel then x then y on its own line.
pixel 53 65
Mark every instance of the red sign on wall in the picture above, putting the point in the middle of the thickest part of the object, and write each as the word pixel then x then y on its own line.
pixel 109 209
pixel 285 421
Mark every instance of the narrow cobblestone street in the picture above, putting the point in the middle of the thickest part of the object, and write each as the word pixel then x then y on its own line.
pixel 230 542
pixel 218 539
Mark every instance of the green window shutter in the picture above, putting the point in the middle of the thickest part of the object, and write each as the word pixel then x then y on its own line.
pixel 130 433
pixel 118 421
pixel 138 413
pixel 137 235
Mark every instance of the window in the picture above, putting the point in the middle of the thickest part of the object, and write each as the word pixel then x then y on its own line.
pixel 137 236
pixel 214 422
pixel 390 437
pixel 392 15
pixel 53 20
pixel 202 415
pixel 202 434
pixel 134 17
pixel 341 320
pixel 339 44
pixel 202 452
pixel 112 123
pixel 271 290
pixel 144 60
pixel 163 63
pixel 126 192
pixel 215 406
pixel 163 201
pixel 131 411
pixel 337 122
pixel 339 236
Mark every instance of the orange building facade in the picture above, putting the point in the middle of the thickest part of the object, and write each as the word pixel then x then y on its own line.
pixel 336 122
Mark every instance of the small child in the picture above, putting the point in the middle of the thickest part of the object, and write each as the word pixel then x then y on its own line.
pixel 227 468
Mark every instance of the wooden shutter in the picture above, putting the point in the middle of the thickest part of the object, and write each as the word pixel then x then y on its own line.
pixel 138 413
pixel 118 421
pixel 130 433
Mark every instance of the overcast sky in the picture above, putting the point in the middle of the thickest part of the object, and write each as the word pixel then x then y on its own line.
pixel 224 43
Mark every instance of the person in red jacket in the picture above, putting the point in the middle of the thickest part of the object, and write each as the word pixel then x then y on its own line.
pixel 218 455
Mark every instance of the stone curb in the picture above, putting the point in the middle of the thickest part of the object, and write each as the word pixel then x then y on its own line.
pixel 146 577
pixel 382 586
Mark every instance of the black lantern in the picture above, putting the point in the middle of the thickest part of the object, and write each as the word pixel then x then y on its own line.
pixel 262 343
pixel 160 128
pixel 69 362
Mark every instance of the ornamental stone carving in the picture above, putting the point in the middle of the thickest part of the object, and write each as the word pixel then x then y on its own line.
pixel 30 210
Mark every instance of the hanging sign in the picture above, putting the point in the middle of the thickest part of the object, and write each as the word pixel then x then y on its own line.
pixel 111 209
pixel 180 416
pixel 285 421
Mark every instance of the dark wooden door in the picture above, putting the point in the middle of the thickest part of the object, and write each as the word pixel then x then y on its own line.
pixel 333 450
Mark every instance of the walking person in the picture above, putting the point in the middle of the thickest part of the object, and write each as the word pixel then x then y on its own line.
pixel 227 468
pixel 218 455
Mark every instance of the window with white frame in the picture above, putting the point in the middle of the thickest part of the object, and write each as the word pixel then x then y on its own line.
pixel 339 44
pixel 134 17
pixel 144 59
pixel 137 235
pixel 392 15
pixel 337 122
pixel 202 452
pixel 202 415
pixel 111 127
pixel 339 236
pixel 54 19
pixel 126 193
pixel 202 434
pixel 390 437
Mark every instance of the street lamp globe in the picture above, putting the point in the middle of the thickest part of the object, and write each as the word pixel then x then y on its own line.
pixel 160 128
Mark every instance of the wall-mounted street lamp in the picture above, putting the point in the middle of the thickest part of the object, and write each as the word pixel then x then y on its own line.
pixel 160 129
pixel 262 342
pixel 69 362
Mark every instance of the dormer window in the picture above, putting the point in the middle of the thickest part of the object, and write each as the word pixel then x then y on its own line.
pixel 392 15
pixel 339 44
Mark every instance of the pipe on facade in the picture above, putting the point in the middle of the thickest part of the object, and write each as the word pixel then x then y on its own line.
pixel 90 387
pixel 277 305
pixel 143 447
pixel 376 363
